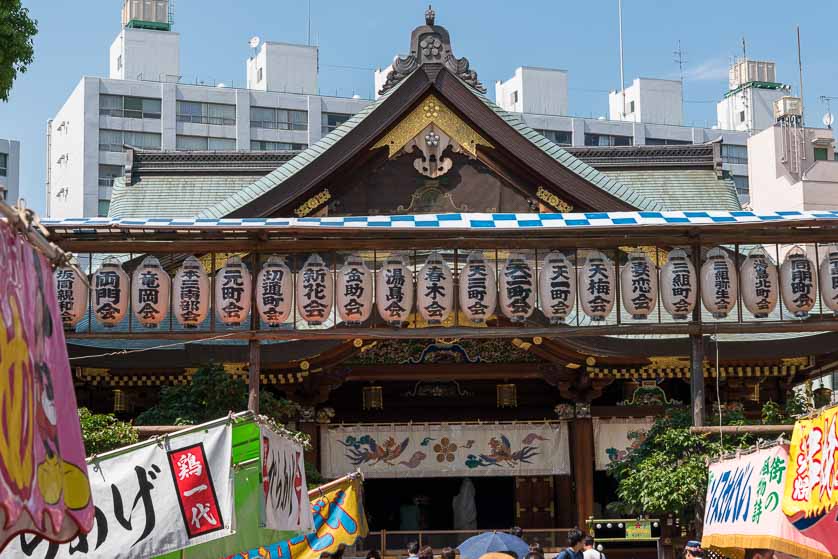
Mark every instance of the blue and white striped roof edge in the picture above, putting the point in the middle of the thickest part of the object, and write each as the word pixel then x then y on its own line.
pixel 463 221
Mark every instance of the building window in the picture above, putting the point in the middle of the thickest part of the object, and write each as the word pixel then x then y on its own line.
pixel 276 146
pixel 119 62
pixel 206 113
pixel 332 121
pixel 259 75
pixel 666 142
pixel 741 183
pixel 821 154
pixel 631 107
pixel 129 107
pixel 558 137
pixel 203 143
pixel 741 116
pixel 736 155
pixel 278 119
pixel 514 97
pixel 107 174
pixel 4 164
pixel 607 140
pixel 104 207
pixel 115 140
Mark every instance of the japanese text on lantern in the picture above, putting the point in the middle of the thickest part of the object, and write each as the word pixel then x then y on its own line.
pixel 190 296
pixel 435 291
pixel 681 286
pixel 519 286
pixel 395 281
pixel 196 493
pixel 232 292
pixel 641 284
pixel 108 290
pixel 314 289
pixel 353 291
pixel 599 285
pixel 476 278
pixel 272 294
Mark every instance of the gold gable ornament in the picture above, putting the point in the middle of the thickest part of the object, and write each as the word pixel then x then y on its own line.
pixel 431 128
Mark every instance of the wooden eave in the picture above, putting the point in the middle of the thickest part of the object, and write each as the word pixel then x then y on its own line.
pixel 353 149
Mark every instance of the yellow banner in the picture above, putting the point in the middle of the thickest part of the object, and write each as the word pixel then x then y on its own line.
pixel 812 477
pixel 339 518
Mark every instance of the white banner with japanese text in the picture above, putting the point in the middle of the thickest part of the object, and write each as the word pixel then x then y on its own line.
pixel 158 498
pixel 615 438
pixel 285 504
pixel 438 450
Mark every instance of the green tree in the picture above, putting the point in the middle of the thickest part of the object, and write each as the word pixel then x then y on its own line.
pixel 667 473
pixel 211 394
pixel 17 50
pixel 102 432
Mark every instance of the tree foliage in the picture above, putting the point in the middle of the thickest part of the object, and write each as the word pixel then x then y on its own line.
pixel 667 473
pixel 102 432
pixel 212 394
pixel 17 50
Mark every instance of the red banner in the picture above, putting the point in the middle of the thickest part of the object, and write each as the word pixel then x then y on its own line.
pixel 195 491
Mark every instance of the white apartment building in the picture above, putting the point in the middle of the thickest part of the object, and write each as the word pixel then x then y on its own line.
pixel 653 116
pixel 748 105
pixel 143 104
pixel 9 170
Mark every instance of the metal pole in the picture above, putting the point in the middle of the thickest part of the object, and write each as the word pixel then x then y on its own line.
pixel 697 378
pixel 622 79
pixel 800 69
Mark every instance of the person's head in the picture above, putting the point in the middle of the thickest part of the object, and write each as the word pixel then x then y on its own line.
pixel 693 550
pixel 517 532
pixel 759 554
pixel 413 548
pixel 535 547
pixel 575 539
pixel 373 554
pixel 449 553
pixel 426 552
pixel 589 542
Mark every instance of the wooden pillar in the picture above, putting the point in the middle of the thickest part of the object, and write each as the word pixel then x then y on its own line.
pixel 253 376
pixel 312 454
pixel 583 468
pixel 697 378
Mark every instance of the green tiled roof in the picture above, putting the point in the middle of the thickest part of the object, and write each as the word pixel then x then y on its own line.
pixel 276 178
pixel 681 189
pixel 173 196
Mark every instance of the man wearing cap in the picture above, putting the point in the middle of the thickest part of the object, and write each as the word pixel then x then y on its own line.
pixel 693 550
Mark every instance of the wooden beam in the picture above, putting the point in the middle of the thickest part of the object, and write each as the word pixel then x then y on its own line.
pixel 697 379
pixel 384 333
pixel 582 431
pixel 742 429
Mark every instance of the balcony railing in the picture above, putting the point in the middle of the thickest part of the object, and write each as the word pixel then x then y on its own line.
pixel 126 113
pixel 275 125
pixel 204 119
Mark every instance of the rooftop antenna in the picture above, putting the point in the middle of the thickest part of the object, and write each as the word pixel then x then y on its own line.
pixel 622 78
pixel 679 59
pixel 744 49
pixel 308 23
pixel 800 68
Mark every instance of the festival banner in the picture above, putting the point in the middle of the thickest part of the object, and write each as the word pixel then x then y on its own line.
pixel 810 499
pixel 438 450
pixel 338 510
pixel 743 508
pixel 160 497
pixel 285 503
pixel 44 488
pixel 615 438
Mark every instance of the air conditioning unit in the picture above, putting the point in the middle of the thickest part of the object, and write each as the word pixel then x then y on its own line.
pixel 786 107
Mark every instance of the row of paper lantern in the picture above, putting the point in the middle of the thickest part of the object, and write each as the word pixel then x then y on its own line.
pixel 480 292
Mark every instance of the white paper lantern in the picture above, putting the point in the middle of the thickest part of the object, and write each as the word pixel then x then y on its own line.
pixel 557 287
pixel 678 285
pixel 517 288
pixel 759 283
pixel 354 291
pixel 394 290
pixel 111 291
pixel 72 296
pixel 639 285
pixel 829 278
pixel 435 290
pixel 233 292
pixel 315 291
pixel 191 293
pixel 478 288
pixel 719 285
pixel 274 291
pixel 799 282
pixel 597 286
pixel 150 292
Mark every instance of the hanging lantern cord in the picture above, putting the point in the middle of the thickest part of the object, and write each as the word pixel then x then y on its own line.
pixel 718 391
pixel 28 224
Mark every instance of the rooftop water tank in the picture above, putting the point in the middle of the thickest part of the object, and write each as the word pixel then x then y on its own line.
pixel 745 71
pixel 146 14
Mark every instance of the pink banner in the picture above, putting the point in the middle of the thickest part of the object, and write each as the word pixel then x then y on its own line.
pixel 43 475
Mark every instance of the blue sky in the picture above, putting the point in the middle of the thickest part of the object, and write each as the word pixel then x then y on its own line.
pixel 497 36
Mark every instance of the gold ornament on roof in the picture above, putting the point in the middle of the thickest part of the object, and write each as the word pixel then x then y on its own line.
pixel 552 200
